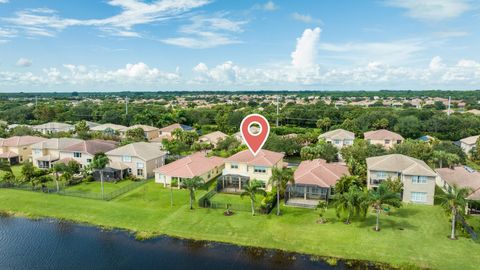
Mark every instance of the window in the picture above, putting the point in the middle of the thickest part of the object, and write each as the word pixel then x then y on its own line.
pixel 337 141
pixel 127 159
pixel 233 166
pixel 129 170
pixel 140 165
pixel 258 169
pixel 419 179
pixel 77 154
pixel 419 197
pixel 89 160
pixel 140 172
pixel 381 174
pixel 348 142
pixel 37 151
pixel 387 141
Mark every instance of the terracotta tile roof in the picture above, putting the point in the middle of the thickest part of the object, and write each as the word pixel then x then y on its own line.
pixel 339 134
pixel 400 163
pixel 214 137
pixel 190 166
pixel 320 173
pixel 172 127
pixel 56 143
pixel 144 150
pixel 92 146
pixel 21 141
pixel 8 154
pixel 263 158
pixel 463 177
pixel 382 134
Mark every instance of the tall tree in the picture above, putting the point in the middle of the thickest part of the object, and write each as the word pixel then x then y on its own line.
pixel 380 197
pixel 279 179
pixel 354 202
pixel 251 190
pixel 454 202
pixel 99 162
pixel 192 184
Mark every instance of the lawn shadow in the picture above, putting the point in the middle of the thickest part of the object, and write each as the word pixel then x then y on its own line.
pixel 387 222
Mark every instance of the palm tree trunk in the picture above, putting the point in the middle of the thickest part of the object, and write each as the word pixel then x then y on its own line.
pixel 191 200
pixel 377 226
pixel 56 181
pixel 171 195
pixel 101 182
pixel 278 201
pixel 253 207
pixel 454 216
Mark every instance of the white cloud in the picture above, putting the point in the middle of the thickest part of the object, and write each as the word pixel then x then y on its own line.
pixel 268 6
pixel 46 22
pixel 3 1
pixel 436 64
pixel 432 10
pixel 451 34
pixel 207 32
pixel 24 62
pixel 305 53
pixel 305 18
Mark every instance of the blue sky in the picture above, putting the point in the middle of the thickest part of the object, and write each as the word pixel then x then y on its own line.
pixel 114 45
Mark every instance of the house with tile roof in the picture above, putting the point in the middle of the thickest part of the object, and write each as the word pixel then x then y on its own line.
pixel 166 132
pixel 84 151
pixel 108 128
pixel 149 132
pixel 196 164
pixel 244 166
pixel 314 181
pixel 338 137
pixel 417 177
pixel 18 149
pixel 468 144
pixel 383 137
pixel 53 127
pixel 212 138
pixel 45 153
pixel 140 158
pixel 462 177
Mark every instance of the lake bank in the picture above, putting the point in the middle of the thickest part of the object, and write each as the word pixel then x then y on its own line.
pixel 412 231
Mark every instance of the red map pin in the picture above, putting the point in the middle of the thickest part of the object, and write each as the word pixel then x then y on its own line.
pixel 255 141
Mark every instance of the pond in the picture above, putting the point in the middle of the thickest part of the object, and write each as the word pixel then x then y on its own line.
pixel 52 244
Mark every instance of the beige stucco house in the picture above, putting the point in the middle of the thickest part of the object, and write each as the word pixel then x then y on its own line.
pixel 149 132
pixel 467 144
pixel 338 137
pixel 196 164
pixel 383 137
pixel 141 158
pixel 213 138
pixel 462 177
pixel 45 153
pixel 108 128
pixel 84 151
pixel 417 177
pixel 53 127
pixel 18 149
pixel 244 166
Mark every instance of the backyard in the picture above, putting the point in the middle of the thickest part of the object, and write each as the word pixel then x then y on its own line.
pixel 407 237
pixel 236 202
pixel 95 186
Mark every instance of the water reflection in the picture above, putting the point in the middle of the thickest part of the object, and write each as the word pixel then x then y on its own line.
pixel 48 244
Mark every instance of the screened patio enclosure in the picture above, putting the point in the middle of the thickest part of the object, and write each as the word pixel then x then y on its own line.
pixel 233 183
pixel 307 192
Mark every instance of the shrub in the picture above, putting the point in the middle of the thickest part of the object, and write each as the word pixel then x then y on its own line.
pixel 89 178
pixel 268 202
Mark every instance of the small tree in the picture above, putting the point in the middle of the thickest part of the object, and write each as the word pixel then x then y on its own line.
pixel 135 134
pixel 251 190
pixel 192 184
pixel 99 162
pixel 58 168
pixel 454 202
pixel 28 172
pixel 280 178
pixel 352 203
pixel 380 197
pixel 322 208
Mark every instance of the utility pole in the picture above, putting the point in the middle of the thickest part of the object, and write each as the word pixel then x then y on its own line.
pixel 278 101
pixel 448 109
pixel 126 105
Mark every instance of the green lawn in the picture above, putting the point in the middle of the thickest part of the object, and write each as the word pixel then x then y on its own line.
pixel 235 200
pixel 95 187
pixel 413 236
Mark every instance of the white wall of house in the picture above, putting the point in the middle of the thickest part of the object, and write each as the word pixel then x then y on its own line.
pixel 261 173
pixel 167 179
pixel 82 158
pixel 387 143
pixel 139 167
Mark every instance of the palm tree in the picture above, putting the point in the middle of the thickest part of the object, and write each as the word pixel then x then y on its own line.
pixel 251 190
pixel 58 168
pixel 454 202
pixel 99 162
pixel 380 197
pixel 192 184
pixel 353 202
pixel 280 178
